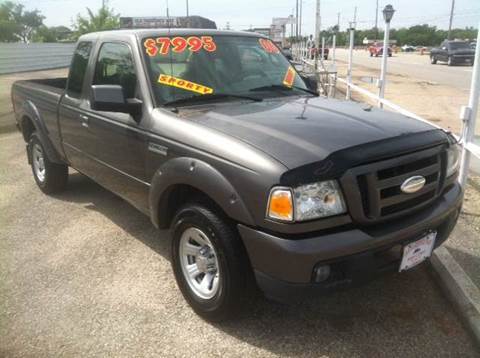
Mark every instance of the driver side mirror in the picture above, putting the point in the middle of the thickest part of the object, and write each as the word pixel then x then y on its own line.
pixel 110 98
pixel 311 82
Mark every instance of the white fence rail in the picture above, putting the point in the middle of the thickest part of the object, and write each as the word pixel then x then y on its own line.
pixel 468 113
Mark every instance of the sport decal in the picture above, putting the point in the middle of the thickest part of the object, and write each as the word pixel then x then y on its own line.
pixel 269 46
pixel 163 45
pixel 184 84
pixel 289 77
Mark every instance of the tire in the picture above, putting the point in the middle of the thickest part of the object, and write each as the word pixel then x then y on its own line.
pixel 450 61
pixel 433 60
pixel 371 54
pixel 224 262
pixel 389 55
pixel 50 177
pixel 325 57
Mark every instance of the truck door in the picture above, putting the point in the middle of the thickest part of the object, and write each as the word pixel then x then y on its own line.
pixel 117 141
pixel 75 137
pixel 443 51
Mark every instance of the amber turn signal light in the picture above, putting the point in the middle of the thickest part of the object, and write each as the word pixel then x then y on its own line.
pixel 280 205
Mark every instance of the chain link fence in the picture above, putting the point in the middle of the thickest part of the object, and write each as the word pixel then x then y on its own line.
pixel 21 57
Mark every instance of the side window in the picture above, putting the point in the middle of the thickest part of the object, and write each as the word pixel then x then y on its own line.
pixel 115 67
pixel 78 69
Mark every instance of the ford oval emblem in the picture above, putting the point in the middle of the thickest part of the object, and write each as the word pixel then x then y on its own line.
pixel 413 184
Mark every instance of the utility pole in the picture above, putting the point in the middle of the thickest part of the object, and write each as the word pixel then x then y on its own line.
pixel 451 20
pixel 187 9
pixel 296 20
pixel 300 21
pixel 376 22
pixel 317 25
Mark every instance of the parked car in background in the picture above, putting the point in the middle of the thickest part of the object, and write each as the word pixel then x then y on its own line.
pixel 408 48
pixel 377 50
pixel 453 52
pixel 313 52
pixel 287 52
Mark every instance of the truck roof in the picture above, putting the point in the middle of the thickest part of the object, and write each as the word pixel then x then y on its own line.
pixel 141 33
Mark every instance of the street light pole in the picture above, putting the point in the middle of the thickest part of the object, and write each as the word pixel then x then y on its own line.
pixel 387 15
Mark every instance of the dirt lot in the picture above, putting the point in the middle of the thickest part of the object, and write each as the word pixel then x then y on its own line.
pixel 84 274
pixel 430 99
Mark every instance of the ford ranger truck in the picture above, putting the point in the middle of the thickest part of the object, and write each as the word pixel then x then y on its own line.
pixel 262 183
pixel 453 52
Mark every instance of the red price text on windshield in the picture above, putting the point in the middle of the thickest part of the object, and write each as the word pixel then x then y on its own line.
pixel 269 46
pixel 163 45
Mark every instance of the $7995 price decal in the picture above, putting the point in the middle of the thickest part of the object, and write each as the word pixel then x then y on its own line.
pixel 163 45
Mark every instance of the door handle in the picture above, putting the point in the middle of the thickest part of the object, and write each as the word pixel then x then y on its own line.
pixel 85 120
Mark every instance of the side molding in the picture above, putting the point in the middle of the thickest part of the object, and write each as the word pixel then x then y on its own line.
pixel 201 176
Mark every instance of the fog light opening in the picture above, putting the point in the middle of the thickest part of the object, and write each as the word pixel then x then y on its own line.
pixel 321 273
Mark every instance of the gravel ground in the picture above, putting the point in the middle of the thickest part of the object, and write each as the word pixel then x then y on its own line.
pixel 84 274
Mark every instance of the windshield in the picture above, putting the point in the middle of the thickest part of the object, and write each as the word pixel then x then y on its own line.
pixel 184 67
pixel 459 45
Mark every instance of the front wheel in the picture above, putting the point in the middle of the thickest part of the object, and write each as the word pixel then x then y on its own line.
pixel 210 263
pixel 450 61
pixel 433 60
pixel 50 177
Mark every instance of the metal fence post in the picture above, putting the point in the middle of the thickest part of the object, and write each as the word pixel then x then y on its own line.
pixel 323 49
pixel 381 92
pixel 350 60
pixel 470 119
pixel 334 44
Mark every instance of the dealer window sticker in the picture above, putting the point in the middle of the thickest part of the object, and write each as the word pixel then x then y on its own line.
pixel 178 44
pixel 184 84
pixel 269 46
pixel 289 77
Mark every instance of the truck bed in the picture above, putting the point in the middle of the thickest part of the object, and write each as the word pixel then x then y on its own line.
pixel 40 97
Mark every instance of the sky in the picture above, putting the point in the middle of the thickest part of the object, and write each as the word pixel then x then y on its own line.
pixel 243 14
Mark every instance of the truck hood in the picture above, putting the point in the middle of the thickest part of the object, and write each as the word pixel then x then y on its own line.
pixel 298 131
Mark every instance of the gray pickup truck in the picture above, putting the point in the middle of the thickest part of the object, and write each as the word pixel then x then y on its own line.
pixel 262 183
pixel 453 52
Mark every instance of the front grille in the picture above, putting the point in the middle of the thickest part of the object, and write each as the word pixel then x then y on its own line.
pixel 373 191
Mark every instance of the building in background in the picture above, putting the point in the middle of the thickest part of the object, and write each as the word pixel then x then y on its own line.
pixel 150 22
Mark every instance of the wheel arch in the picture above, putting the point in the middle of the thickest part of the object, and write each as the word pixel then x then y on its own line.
pixel 184 179
pixel 31 121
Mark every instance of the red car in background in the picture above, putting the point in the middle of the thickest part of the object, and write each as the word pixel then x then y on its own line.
pixel 377 50
pixel 313 50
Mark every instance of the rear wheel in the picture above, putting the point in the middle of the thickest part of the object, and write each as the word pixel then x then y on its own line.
pixel 50 177
pixel 210 263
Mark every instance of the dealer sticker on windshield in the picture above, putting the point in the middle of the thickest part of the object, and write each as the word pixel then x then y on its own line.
pixel 417 251
pixel 184 84
pixel 289 77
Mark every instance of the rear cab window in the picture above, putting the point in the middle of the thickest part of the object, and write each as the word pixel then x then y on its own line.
pixel 78 69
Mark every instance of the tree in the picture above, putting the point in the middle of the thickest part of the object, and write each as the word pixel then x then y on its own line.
pixel 52 34
pixel 104 19
pixel 18 24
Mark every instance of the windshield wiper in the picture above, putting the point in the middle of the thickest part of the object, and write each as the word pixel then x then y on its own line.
pixel 208 97
pixel 282 88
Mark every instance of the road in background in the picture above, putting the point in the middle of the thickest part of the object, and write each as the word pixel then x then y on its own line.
pixel 415 66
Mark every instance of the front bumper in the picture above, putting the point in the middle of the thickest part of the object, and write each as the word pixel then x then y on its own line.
pixel 284 267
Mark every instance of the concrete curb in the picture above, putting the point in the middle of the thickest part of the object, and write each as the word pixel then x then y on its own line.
pixel 460 289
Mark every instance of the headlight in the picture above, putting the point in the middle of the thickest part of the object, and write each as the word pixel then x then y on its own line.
pixel 453 160
pixel 318 200
pixel 311 201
